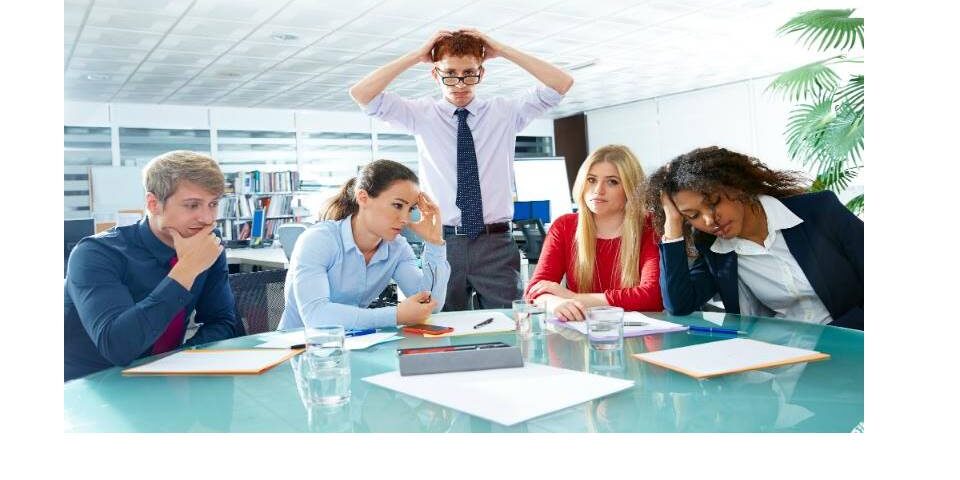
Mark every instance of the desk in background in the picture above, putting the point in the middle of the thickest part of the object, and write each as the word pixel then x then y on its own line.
pixel 822 396
pixel 267 257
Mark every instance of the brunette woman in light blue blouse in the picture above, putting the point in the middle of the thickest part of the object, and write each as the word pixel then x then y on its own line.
pixel 340 265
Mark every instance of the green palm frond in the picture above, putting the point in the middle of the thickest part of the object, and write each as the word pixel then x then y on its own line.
pixel 805 129
pixel 835 178
pixel 843 137
pixel 807 81
pixel 852 93
pixel 832 28
pixel 855 204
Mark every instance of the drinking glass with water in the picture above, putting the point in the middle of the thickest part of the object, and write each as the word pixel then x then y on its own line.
pixel 323 370
pixel 529 317
pixel 605 328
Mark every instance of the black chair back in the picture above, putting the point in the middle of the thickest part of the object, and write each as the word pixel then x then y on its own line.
pixel 259 299
pixel 533 234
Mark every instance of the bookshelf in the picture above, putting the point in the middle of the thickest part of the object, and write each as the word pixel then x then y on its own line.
pixel 276 193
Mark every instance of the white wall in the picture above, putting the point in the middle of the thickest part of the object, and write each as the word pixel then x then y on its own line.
pixel 738 116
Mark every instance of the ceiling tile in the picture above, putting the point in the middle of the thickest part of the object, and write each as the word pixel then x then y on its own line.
pixel 253 11
pixel 482 16
pixel 205 27
pixel 130 20
pixel 304 36
pixel 191 44
pixel 181 58
pixel 264 50
pixel 110 53
pixel 302 66
pixel 307 14
pixel 380 24
pixel 127 38
pixel 168 69
pixel 104 66
pixel 358 42
pixel 164 7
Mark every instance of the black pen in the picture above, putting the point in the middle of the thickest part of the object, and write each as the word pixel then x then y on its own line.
pixel 485 322
pixel 298 346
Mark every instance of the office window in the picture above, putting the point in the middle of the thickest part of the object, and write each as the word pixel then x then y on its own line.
pixel 327 160
pixel 83 147
pixel 528 147
pixel 398 147
pixel 139 145
pixel 244 150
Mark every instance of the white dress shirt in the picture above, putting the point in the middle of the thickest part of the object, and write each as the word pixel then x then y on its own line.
pixel 771 282
pixel 494 125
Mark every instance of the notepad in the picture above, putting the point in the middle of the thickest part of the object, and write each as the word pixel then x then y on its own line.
pixel 507 395
pixel 651 325
pixel 728 356
pixel 359 342
pixel 214 362
pixel 463 323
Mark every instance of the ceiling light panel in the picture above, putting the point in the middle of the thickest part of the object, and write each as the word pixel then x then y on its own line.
pixel 205 27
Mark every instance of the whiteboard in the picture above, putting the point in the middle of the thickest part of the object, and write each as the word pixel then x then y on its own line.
pixel 543 179
pixel 116 188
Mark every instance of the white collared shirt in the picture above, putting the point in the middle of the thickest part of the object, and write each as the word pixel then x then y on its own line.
pixel 494 125
pixel 771 282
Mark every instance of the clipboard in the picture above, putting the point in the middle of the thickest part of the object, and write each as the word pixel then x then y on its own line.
pixel 253 361
pixel 723 357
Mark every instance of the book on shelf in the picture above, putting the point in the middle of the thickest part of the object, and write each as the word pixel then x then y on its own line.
pixel 257 182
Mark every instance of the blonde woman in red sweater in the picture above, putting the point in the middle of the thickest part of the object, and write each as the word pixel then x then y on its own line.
pixel 607 251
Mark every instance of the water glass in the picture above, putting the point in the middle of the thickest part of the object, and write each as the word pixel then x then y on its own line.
pixel 605 328
pixel 322 381
pixel 325 342
pixel 529 317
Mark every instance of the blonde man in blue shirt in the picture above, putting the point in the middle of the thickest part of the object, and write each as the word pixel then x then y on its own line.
pixel 466 147
pixel 339 266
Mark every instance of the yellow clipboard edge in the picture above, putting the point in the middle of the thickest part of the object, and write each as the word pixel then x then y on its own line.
pixel 293 352
pixel 815 357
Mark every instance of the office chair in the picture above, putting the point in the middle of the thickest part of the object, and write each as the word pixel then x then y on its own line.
pixel 287 235
pixel 259 299
pixel 533 234
pixel 73 232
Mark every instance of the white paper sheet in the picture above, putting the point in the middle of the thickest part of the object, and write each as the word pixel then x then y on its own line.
pixel 360 342
pixel 725 356
pixel 463 322
pixel 652 326
pixel 212 361
pixel 507 395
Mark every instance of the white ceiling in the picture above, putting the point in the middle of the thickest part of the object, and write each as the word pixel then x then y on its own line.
pixel 225 52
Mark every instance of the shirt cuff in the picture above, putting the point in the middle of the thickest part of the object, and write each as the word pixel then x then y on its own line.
pixel 374 106
pixel 549 95
pixel 434 252
pixel 664 239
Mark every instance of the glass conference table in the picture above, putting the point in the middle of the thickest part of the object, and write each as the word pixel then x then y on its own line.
pixel 824 396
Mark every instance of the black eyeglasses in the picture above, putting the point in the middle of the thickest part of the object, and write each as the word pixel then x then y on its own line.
pixel 455 80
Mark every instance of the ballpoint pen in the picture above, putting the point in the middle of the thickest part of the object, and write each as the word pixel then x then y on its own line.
pixel 433 282
pixel 360 331
pixel 485 322
pixel 728 331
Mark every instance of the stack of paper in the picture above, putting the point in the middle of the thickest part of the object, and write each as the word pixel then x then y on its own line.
pixel 463 323
pixel 728 356
pixel 506 395
pixel 214 362
pixel 650 325
pixel 359 342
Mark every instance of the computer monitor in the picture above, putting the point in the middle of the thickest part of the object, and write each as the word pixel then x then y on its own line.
pixel 532 209
pixel 73 231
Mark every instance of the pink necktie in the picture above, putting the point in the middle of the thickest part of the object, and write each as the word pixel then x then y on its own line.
pixel 171 337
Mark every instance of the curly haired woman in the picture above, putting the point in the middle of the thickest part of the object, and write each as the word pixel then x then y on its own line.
pixel 764 245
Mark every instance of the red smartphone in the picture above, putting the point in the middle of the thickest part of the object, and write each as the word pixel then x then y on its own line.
pixel 429 329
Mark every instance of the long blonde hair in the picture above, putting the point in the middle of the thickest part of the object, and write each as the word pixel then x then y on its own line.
pixel 633 181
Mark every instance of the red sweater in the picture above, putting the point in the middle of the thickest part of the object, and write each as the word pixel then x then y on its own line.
pixel 557 259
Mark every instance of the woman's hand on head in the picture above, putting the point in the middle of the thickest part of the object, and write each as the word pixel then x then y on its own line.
pixel 673 220
pixel 430 226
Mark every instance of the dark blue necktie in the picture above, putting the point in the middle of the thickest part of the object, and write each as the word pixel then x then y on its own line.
pixel 468 179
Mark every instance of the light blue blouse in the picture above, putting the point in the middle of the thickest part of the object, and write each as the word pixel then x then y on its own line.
pixel 329 283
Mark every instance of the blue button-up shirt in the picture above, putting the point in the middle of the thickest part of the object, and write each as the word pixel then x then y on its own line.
pixel 330 283
pixel 494 125
pixel 118 300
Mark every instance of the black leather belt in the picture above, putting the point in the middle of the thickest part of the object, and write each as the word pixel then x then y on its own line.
pixel 488 228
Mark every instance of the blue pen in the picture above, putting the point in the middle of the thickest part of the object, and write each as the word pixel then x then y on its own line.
pixel 359 332
pixel 727 331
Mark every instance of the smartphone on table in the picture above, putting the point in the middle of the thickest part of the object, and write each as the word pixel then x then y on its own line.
pixel 422 328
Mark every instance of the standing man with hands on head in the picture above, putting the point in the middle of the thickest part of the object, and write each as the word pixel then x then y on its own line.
pixel 129 291
pixel 466 149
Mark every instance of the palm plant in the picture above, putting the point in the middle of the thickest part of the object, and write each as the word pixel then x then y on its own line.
pixel 825 131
